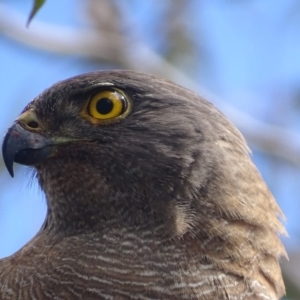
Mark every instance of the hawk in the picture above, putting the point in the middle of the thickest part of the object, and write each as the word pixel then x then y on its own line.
pixel 151 194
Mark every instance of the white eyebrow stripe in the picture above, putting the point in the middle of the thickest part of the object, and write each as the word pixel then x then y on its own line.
pixel 103 83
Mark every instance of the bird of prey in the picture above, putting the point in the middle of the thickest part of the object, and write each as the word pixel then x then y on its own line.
pixel 151 194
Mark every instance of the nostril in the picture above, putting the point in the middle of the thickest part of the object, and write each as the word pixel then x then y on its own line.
pixel 33 124
pixel 29 120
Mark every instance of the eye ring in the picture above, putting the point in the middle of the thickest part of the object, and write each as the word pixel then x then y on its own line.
pixel 107 104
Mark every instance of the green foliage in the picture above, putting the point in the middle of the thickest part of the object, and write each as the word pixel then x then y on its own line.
pixel 36 6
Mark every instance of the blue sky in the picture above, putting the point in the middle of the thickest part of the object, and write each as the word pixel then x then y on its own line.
pixel 251 52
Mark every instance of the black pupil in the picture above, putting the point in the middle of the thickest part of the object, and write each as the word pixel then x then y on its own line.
pixel 104 106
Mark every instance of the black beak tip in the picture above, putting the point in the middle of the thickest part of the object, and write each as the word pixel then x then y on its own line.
pixel 8 156
pixel 10 170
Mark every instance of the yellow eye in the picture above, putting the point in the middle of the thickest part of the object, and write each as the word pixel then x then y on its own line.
pixel 107 105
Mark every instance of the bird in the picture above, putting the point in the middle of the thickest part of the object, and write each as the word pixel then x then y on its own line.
pixel 151 193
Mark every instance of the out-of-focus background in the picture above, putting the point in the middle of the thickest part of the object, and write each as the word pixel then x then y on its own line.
pixel 244 56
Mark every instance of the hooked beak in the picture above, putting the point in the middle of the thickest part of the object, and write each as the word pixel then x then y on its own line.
pixel 24 147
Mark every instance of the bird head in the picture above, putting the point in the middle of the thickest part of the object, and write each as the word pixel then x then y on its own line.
pixel 128 146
